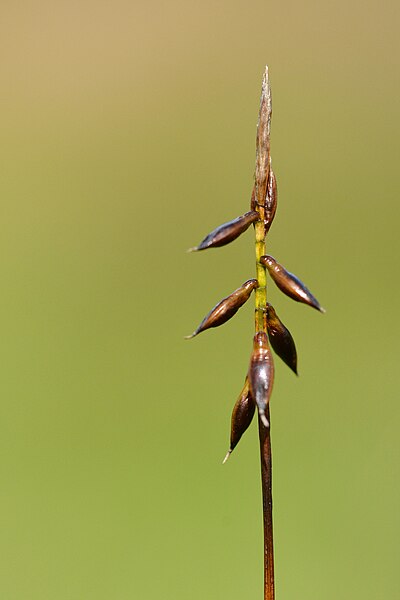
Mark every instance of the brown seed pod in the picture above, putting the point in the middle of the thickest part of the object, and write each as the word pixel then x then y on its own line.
pixel 281 339
pixel 289 284
pixel 228 307
pixel 242 416
pixel 227 232
pixel 261 373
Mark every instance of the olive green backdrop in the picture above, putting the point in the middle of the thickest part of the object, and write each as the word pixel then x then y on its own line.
pixel 127 134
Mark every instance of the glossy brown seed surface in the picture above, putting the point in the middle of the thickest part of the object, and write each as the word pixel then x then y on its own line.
pixel 242 416
pixel 228 307
pixel 261 374
pixel 281 339
pixel 289 284
pixel 227 232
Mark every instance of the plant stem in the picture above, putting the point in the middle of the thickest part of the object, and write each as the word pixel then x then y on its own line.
pixel 263 164
pixel 266 480
pixel 261 275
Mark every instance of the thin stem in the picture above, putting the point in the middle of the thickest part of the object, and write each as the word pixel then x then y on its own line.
pixel 263 165
pixel 261 274
pixel 266 478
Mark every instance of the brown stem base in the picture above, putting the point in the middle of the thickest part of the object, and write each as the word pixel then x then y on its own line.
pixel 266 481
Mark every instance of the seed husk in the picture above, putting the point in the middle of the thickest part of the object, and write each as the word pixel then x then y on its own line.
pixel 289 284
pixel 261 373
pixel 226 308
pixel 242 416
pixel 227 232
pixel 281 339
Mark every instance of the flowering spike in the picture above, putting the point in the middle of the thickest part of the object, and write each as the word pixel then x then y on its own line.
pixel 227 232
pixel 289 284
pixel 269 328
pixel 281 339
pixel 261 373
pixel 228 307
pixel 242 416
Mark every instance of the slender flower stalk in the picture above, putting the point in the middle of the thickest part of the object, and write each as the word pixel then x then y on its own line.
pixel 257 389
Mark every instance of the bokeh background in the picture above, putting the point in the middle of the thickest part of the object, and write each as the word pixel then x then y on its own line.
pixel 127 134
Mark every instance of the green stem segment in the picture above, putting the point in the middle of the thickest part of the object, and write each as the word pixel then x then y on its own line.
pixel 261 275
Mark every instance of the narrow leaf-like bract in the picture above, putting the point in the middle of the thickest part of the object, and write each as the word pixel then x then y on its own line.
pixel 270 201
pixel 228 307
pixel 281 339
pixel 227 232
pixel 261 373
pixel 289 284
pixel 263 154
pixel 242 415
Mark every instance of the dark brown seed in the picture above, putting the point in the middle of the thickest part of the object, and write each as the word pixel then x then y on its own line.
pixel 227 232
pixel 228 307
pixel 242 415
pixel 289 284
pixel 281 339
pixel 261 374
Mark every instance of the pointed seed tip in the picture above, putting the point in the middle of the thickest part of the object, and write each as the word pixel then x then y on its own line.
pixel 322 310
pixel 194 249
pixel 189 337
pixel 227 456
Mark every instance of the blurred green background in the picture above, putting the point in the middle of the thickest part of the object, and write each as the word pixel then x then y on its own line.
pixel 128 133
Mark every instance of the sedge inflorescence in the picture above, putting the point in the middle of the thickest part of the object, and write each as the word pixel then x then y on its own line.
pixel 269 329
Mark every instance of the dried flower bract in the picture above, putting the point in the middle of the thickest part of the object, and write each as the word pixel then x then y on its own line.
pixel 227 232
pixel 289 284
pixel 281 339
pixel 261 373
pixel 226 308
pixel 242 416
